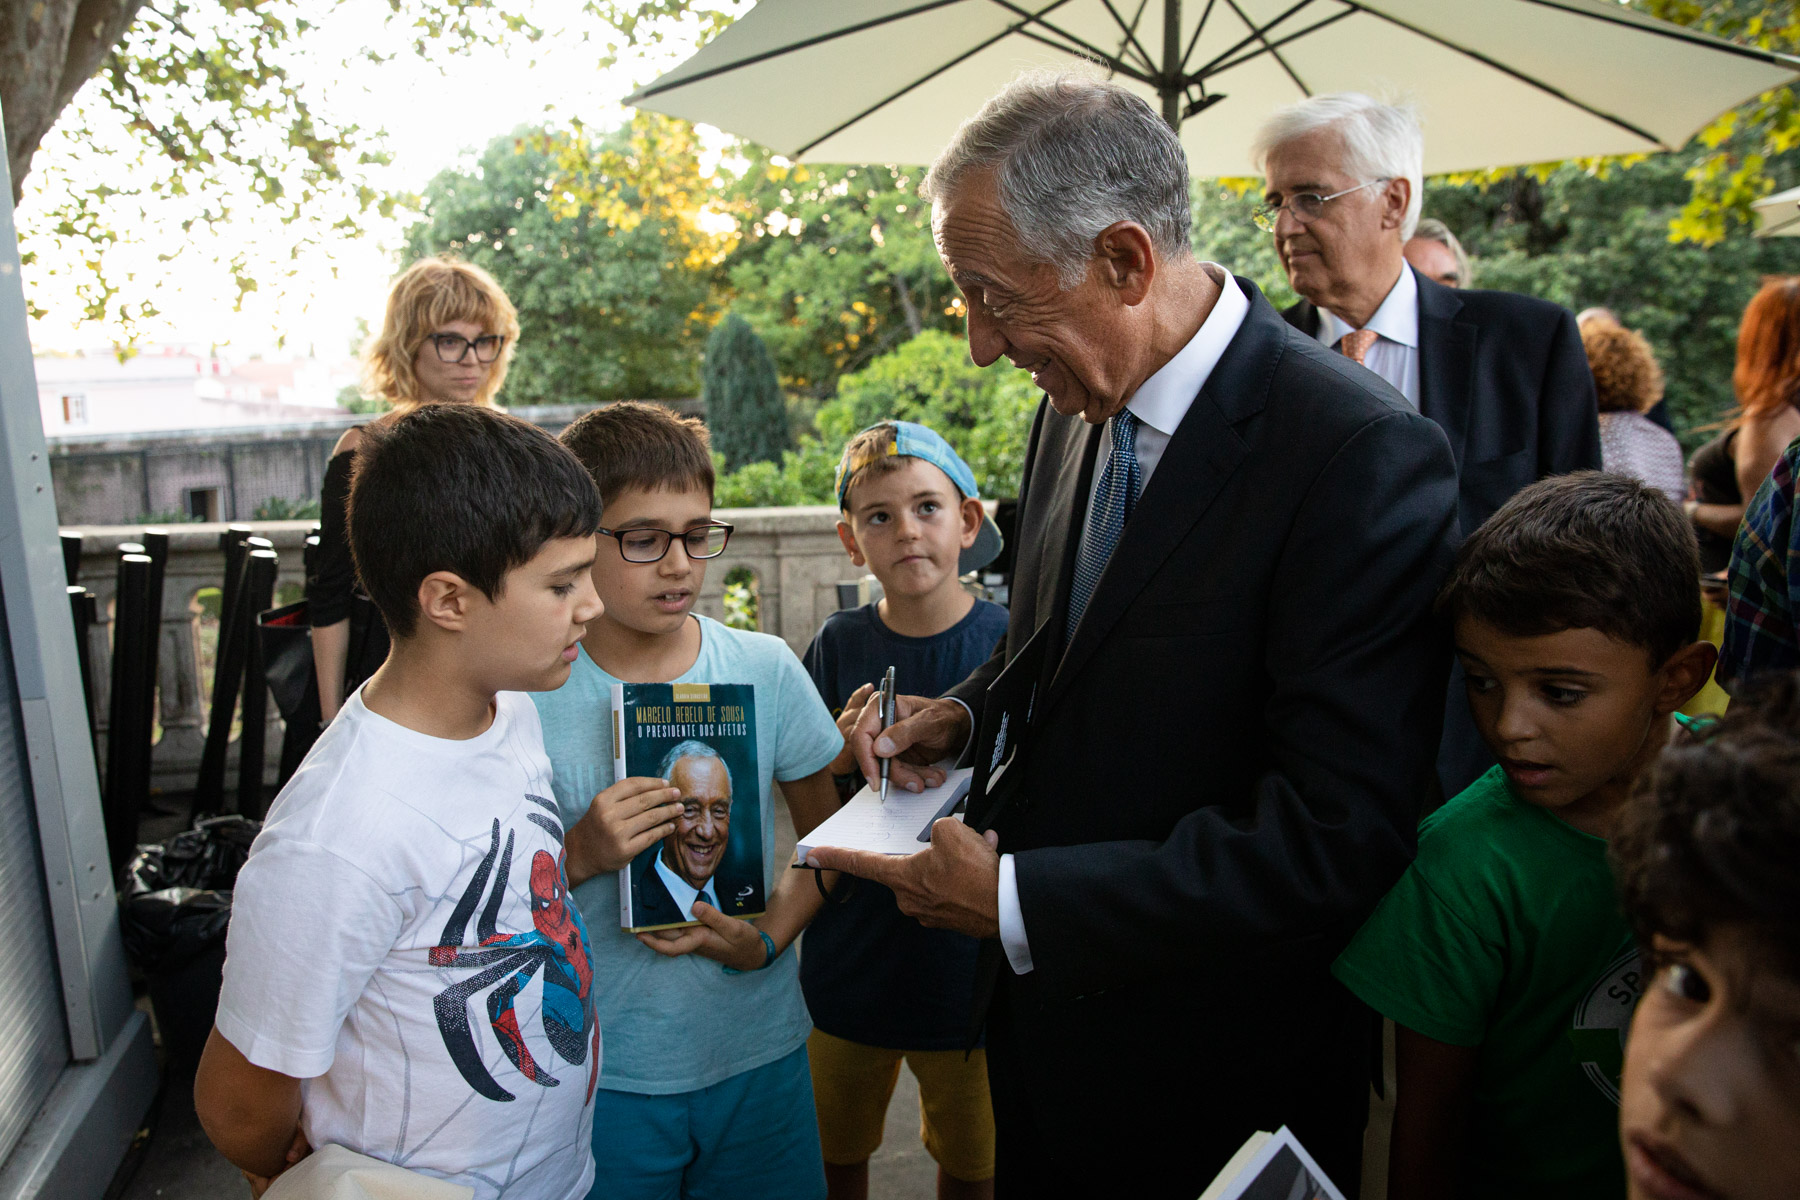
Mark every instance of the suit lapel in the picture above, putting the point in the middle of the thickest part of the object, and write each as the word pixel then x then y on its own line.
pixel 1195 465
pixel 1070 447
pixel 1446 362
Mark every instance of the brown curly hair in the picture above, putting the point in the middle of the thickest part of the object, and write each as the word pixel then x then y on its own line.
pixel 1626 377
pixel 1712 831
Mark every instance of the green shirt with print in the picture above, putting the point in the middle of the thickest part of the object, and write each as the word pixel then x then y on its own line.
pixel 1506 934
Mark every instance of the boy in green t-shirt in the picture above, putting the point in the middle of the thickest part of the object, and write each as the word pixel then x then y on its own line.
pixel 1501 955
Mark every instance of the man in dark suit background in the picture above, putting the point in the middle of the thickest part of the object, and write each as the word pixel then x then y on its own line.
pixel 1234 537
pixel 1503 375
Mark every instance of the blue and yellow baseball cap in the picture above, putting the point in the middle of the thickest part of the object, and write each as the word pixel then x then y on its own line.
pixel 912 440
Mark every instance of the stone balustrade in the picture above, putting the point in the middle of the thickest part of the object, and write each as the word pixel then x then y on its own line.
pixel 792 553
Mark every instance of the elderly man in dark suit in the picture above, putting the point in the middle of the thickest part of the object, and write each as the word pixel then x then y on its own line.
pixel 1234 537
pixel 1503 375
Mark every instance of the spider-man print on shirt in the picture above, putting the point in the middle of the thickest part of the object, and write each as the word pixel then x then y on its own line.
pixel 557 945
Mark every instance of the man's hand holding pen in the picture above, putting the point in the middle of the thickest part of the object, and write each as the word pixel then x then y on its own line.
pixel 954 884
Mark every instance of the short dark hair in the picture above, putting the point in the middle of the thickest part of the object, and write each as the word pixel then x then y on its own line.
pixel 1712 834
pixel 463 488
pixel 1589 550
pixel 645 446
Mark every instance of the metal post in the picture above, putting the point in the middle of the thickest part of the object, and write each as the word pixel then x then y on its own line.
pixel 228 672
pixel 1170 84
pixel 126 786
pixel 84 608
pixel 71 548
pixel 256 595
pixel 156 547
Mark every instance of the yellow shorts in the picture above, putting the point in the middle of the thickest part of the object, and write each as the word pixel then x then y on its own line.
pixel 852 1084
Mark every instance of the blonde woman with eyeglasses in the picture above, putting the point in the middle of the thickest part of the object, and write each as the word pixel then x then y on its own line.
pixel 447 338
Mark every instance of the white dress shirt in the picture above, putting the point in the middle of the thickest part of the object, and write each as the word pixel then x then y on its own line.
pixel 1394 355
pixel 682 891
pixel 1159 404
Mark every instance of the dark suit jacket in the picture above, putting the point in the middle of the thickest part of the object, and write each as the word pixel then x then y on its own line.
pixel 1506 379
pixel 1225 771
pixel 651 903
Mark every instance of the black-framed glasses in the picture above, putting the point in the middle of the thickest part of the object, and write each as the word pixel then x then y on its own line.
pixel 454 347
pixel 651 545
pixel 1305 206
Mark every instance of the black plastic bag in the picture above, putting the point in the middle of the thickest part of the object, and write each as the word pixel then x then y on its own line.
pixel 171 927
pixel 207 856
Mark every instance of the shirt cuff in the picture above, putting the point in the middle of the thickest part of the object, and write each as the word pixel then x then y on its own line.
pixel 971 714
pixel 1012 921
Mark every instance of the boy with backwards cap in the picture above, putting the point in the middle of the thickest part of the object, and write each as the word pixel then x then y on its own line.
pixel 880 986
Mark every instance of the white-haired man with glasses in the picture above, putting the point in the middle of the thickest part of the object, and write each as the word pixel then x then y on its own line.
pixel 1504 375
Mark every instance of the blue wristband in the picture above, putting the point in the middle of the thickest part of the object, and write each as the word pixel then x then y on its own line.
pixel 769 953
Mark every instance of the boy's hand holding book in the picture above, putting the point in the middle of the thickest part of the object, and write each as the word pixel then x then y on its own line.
pixel 728 941
pixel 624 820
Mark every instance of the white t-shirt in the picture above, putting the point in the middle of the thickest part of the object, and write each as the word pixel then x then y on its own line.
pixel 402 940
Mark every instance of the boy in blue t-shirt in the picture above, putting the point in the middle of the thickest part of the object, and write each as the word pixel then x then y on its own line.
pixel 704 1088
pixel 1501 955
pixel 881 986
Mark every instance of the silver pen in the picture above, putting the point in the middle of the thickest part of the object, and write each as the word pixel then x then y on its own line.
pixel 889 714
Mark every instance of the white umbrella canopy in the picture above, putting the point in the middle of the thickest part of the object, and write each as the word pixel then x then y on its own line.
pixel 1778 215
pixel 1498 82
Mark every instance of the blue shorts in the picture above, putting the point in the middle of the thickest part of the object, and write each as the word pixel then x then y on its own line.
pixel 750 1137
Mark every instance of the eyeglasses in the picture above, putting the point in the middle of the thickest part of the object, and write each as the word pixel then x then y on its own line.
pixel 454 347
pixel 1305 206
pixel 651 545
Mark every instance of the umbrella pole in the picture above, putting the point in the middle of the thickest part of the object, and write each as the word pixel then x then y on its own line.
pixel 1170 84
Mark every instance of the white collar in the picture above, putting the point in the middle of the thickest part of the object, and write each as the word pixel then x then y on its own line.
pixel 1162 400
pixel 1397 319
pixel 681 891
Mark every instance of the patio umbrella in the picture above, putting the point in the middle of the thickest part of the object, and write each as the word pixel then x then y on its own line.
pixel 1498 82
pixel 1778 215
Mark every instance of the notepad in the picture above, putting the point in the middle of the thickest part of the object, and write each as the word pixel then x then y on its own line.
pixel 901 826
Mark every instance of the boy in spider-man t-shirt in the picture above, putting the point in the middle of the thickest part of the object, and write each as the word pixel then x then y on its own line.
pixel 405 973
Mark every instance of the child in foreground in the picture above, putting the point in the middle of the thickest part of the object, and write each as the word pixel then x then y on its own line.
pixel 405 974
pixel 1500 955
pixel 881 987
pixel 705 1090
pixel 1706 858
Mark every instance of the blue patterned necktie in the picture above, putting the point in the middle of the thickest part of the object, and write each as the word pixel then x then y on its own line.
pixel 1114 500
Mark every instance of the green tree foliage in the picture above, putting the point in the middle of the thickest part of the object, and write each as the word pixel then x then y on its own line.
pixel 1600 236
pixel 196 108
pixel 595 241
pixel 834 265
pixel 984 412
pixel 744 406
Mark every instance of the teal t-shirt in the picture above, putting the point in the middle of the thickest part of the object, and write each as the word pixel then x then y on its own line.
pixel 672 1025
pixel 1506 934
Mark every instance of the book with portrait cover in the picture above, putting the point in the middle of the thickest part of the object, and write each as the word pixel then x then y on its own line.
pixel 701 737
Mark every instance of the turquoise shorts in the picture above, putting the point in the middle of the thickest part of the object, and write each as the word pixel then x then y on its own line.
pixel 754 1136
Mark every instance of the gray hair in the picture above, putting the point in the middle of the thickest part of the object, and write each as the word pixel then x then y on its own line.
pixel 691 749
pixel 1381 141
pixel 1072 155
pixel 1434 230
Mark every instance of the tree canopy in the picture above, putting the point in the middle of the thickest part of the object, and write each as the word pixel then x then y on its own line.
pixel 597 243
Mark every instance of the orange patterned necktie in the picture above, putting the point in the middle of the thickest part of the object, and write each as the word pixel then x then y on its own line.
pixel 1355 344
